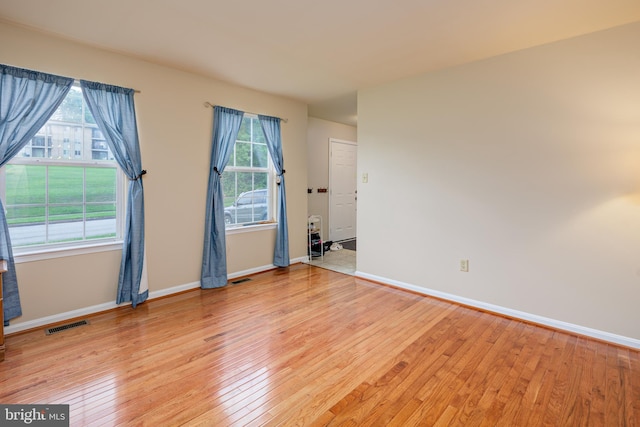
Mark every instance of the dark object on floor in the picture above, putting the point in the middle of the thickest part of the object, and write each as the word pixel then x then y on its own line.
pixel 327 245
pixel 315 244
pixel 349 244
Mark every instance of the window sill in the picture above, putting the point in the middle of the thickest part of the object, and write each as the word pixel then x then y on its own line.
pixel 42 254
pixel 250 228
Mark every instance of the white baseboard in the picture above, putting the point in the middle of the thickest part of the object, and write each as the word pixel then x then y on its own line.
pixel 533 318
pixel 300 259
pixel 94 309
pixel 61 317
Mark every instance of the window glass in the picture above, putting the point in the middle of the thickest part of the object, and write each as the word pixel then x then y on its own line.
pixel 242 155
pixel 64 187
pixel 248 177
pixel 260 155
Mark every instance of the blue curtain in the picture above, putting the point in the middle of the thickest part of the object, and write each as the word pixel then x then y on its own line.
pixel 27 100
pixel 226 124
pixel 271 128
pixel 114 112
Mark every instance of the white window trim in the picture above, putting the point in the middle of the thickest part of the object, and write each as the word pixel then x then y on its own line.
pixel 249 228
pixel 51 253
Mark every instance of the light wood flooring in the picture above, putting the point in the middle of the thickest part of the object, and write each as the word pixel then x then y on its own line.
pixel 309 346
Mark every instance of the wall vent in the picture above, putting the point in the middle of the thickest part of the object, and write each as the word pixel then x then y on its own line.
pixel 55 329
pixel 235 282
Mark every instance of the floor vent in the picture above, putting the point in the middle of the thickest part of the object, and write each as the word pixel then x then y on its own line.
pixel 65 327
pixel 235 282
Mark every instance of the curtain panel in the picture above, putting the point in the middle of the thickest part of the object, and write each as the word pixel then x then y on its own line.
pixel 271 129
pixel 114 111
pixel 226 124
pixel 27 100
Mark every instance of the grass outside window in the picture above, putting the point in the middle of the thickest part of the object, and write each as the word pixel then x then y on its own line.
pixel 75 193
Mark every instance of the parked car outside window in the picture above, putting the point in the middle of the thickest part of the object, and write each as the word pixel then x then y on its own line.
pixel 249 207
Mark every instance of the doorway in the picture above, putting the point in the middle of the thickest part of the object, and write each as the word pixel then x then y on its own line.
pixel 341 209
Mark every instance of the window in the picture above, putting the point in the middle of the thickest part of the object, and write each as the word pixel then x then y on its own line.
pixel 64 188
pixel 247 181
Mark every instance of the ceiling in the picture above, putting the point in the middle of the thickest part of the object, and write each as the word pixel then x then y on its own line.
pixel 317 51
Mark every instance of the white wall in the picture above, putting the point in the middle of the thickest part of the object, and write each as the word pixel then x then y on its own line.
pixel 175 138
pixel 528 165
pixel 318 134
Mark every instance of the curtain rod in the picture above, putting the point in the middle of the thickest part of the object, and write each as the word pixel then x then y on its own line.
pixel 208 104
pixel 77 82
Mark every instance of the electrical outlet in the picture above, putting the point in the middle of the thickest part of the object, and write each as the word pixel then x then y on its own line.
pixel 464 265
pixel 365 178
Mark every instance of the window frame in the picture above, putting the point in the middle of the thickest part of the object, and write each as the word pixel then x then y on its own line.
pixel 62 249
pixel 271 221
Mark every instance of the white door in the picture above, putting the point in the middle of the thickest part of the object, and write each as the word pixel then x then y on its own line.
pixel 342 189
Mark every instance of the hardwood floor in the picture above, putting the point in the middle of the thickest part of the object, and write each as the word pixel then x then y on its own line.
pixel 309 346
